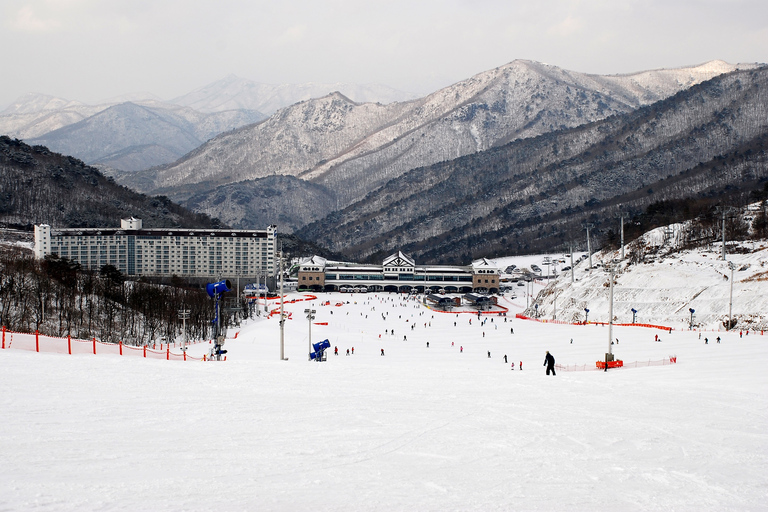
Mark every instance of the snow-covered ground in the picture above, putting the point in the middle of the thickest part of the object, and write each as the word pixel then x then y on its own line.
pixel 428 429
pixel 666 286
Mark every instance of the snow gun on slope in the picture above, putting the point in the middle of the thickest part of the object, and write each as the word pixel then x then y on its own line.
pixel 319 353
pixel 214 291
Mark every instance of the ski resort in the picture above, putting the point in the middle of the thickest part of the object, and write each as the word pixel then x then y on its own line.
pixel 403 401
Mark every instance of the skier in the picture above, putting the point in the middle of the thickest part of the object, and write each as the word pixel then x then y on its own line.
pixel 505 360
pixel 347 351
pixel 521 365
pixel 489 353
pixel 461 349
pixel 353 350
pixel 549 362
pixel 382 351
pixel 427 344
pixel 718 339
pixel 335 351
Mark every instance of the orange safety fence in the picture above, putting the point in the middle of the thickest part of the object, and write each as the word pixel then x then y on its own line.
pixel 563 322
pixel 36 342
pixel 600 365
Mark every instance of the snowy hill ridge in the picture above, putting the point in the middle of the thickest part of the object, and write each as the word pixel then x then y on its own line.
pixel 663 281
pixel 352 148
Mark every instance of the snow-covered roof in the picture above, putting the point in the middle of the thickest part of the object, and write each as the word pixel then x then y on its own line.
pixel 399 259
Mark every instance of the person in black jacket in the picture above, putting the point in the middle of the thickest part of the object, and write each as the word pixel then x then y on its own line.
pixel 549 362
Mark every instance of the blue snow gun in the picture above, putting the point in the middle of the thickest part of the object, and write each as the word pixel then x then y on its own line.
pixel 320 349
pixel 218 288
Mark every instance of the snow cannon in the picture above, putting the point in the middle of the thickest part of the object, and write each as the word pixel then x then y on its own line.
pixel 320 348
pixel 218 288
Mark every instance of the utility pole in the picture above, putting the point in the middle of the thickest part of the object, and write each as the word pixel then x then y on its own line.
pixel 589 245
pixel 282 309
pixel 609 354
pixel 554 308
pixel 723 234
pixel 730 301
pixel 622 236
pixel 310 316
pixel 184 315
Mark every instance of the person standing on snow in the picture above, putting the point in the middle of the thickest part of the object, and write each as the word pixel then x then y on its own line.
pixel 549 362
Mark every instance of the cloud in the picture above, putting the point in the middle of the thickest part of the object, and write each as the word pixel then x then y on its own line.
pixel 27 21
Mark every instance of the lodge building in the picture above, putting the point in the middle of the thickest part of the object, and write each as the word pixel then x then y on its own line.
pixel 398 273
pixel 137 251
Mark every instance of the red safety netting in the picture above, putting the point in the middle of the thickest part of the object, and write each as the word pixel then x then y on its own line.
pixel 562 322
pixel 600 365
pixel 41 343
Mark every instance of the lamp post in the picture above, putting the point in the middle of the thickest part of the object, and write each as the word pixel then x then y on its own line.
pixel 586 316
pixel 692 312
pixel 310 316
pixel 184 315
pixel 282 308
pixel 730 301
pixel 634 315
pixel 554 306
pixel 589 245
pixel 611 273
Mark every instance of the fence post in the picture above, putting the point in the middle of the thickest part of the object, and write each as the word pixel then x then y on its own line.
pixel 3 337
pixel 167 353
pixel 37 340
pixel 145 351
pixel 121 347
pixel 94 345
pixel 185 355
pixel 69 344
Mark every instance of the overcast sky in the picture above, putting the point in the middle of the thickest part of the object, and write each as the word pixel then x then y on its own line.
pixel 91 50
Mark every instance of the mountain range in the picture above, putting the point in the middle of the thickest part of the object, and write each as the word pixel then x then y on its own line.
pixel 138 131
pixel 351 149
pixel 515 159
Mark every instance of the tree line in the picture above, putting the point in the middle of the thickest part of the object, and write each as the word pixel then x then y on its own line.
pixel 58 297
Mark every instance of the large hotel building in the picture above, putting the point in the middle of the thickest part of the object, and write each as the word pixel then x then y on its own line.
pixel 137 251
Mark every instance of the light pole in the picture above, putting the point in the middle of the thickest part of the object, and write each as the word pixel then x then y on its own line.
pixel 634 315
pixel 282 308
pixel 611 273
pixel 589 245
pixel 184 315
pixel 622 236
pixel 730 301
pixel 310 316
pixel 611 267
pixel 690 327
pixel 554 306
pixel 586 316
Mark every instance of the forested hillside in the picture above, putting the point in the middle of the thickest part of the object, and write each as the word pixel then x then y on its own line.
pixel 39 186
pixel 705 142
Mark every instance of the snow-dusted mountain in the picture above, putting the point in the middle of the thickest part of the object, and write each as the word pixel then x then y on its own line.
pixel 352 148
pixel 233 92
pixel 134 136
pixel 705 142
pixel 32 103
